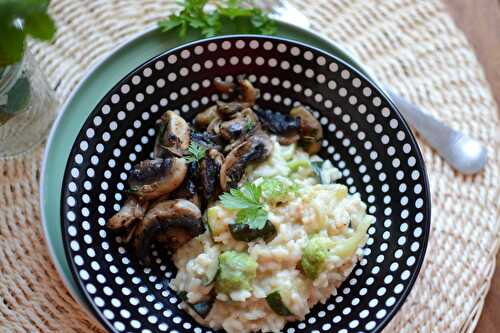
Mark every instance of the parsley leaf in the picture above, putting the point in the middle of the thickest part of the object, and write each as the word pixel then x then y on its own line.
pixel 210 23
pixel 255 218
pixel 195 152
pixel 247 200
pixel 246 197
pixel 18 20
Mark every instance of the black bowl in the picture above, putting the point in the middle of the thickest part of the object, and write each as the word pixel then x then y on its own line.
pixel 365 137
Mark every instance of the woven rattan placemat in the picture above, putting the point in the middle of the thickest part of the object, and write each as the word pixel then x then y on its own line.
pixel 411 44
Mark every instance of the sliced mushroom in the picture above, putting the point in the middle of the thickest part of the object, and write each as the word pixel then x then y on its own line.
pixel 230 146
pixel 209 173
pixel 187 191
pixel 285 126
pixel 214 127
pixel 224 87
pixel 207 140
pixel 249 93
pixel 131 211
pixel 151 179
pixel 288 139
pixel 174 221
pixel 242 123
pixel 227 109
pixel 203 119
pixel 174 135
pixel 130 232
pixel 311 130
pixel 256 148
pixel 193 168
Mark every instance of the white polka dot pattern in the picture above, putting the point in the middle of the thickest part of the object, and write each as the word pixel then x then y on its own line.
pixel 364 137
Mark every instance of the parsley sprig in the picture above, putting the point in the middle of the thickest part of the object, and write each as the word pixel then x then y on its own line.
pixel 195 152
pixel 194 15
pixel 18 20
pixel 248 200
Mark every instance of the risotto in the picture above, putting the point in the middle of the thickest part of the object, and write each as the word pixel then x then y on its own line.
pixel 260 229
pixel 307 246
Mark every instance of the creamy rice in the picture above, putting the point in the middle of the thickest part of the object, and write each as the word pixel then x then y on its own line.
pixel 326 210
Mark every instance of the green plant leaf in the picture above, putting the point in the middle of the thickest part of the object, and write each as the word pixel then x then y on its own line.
pixel 170 23
pixel 11 45
pixel 246 197
pixel 195 152
pixel 19 19
pixel 255 218
pixel 40 26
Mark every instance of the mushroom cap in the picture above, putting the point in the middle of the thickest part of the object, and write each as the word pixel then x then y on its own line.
pixel 187 191
pixel 278 123
pixel 174 135
pixel 240 124
pixel 151 179
pixel 227 109
pixel 174 221
pixel 132 210
pixel 204 118
pixel 249 93
pixel 209 173
pixel 311 130
pixel 257 147
pixel 224 87
pixel 207 140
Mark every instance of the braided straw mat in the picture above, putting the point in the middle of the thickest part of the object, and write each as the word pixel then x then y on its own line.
pixel 412 45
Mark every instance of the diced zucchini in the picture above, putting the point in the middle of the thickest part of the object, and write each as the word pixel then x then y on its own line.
pixel 277 303
pixel 243 232
pixel 318 248
pixel 347 248
pixel 214 226
pixel 201 308
pixel 316 168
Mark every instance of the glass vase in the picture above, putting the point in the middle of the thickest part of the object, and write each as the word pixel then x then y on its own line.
pixel 27 107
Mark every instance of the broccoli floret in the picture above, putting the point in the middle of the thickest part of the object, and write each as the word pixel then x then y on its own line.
pixel 237 270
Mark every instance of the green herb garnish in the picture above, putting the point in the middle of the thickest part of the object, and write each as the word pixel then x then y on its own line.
pixel 210 23
pixel 248 196
pixel 195 152
pixel 19 19
pixel 247 200
pixel 248 127
pixel 255 218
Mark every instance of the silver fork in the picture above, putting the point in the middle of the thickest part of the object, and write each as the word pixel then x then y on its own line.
pixel 462 152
